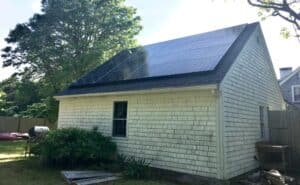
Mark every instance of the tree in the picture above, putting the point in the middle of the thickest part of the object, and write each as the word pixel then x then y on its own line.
pixel 5 107
pixel 289 10
pixel 71 37
pixel 22 97
pixel 44 109
pixel 68 39
pixel 16 94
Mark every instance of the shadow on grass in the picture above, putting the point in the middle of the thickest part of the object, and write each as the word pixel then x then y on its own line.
pixel 15 169
pixel 12 151
pixel 28 172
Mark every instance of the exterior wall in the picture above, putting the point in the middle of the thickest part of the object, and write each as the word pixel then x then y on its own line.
pixel 176 131
pixel 250 83
pixel 286 89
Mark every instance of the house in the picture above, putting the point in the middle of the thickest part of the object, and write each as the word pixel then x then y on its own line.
pixel 195 105
pixel 290 85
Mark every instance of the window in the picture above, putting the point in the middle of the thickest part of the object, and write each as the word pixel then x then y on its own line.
pixel 119 119
pixel 262 121
pixel 296 93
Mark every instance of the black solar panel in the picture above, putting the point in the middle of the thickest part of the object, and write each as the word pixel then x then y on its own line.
pixel 197 53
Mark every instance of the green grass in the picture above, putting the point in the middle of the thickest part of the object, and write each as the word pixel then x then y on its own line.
pixel 17 170
pixel 28 172
pixel 12 147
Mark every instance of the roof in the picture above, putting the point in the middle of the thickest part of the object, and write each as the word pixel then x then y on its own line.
pixel 194 60
pixel 289 76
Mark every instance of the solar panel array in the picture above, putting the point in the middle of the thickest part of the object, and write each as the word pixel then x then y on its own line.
pixel 197 53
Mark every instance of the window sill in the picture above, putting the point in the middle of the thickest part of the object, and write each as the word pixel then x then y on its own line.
pixel 119 138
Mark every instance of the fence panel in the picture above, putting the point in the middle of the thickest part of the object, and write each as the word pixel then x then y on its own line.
pixel 285 129
pixel 8 124
pixel 14 124
pixel 27 123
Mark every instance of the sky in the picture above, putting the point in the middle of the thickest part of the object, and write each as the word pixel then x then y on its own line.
pixel 168 19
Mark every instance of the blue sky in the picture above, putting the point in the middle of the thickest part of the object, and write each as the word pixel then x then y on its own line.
pixel 168 19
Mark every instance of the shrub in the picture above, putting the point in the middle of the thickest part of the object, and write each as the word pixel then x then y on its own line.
pixel 34 148
pixel 70 147
pixel 135 168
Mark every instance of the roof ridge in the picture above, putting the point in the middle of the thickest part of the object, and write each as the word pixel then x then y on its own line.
pixel 198 34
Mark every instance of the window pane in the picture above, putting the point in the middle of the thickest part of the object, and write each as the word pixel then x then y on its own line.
pixel 297 93
pixel 120 110
pixel 119 128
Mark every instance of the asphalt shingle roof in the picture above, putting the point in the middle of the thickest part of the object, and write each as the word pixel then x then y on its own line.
pixel 194 60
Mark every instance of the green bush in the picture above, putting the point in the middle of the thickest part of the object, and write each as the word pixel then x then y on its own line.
pixel 135 168
pixel 70 147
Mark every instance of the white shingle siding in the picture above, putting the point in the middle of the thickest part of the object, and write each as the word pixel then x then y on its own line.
pixel 176 130
pixel 249 83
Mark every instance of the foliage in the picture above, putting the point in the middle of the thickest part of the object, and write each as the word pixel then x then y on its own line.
pixel 73 146
pixel 136 168
pixel 23 97
pixel 16 94
pixel 288 10
pixel 47 108
pixel 71 37
pixel 37 110
pixel 4 105
pixel 63 42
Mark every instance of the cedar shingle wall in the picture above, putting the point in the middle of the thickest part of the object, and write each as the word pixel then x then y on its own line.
pixel 175 130
pixel 249 84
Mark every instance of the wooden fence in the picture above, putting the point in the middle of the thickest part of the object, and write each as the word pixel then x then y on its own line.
pixel 285 129
pixel 14 124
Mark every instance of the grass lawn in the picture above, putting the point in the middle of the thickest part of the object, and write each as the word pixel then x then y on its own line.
pixel 16 170
pixel 10 150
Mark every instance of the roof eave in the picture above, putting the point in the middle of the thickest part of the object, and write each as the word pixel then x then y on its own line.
pixel 145 91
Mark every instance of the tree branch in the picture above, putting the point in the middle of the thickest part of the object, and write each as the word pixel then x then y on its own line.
pixel 287 10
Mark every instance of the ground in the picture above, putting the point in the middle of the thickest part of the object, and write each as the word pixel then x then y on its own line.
pixel 17 170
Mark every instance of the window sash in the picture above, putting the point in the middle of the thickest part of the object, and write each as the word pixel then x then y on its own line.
pixel 119 129
pixel 120 110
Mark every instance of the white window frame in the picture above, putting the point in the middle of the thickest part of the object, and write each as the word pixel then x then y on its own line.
pixel 293 95
pixel 112 127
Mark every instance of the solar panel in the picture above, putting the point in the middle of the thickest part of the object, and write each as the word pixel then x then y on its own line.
pixel 197 53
